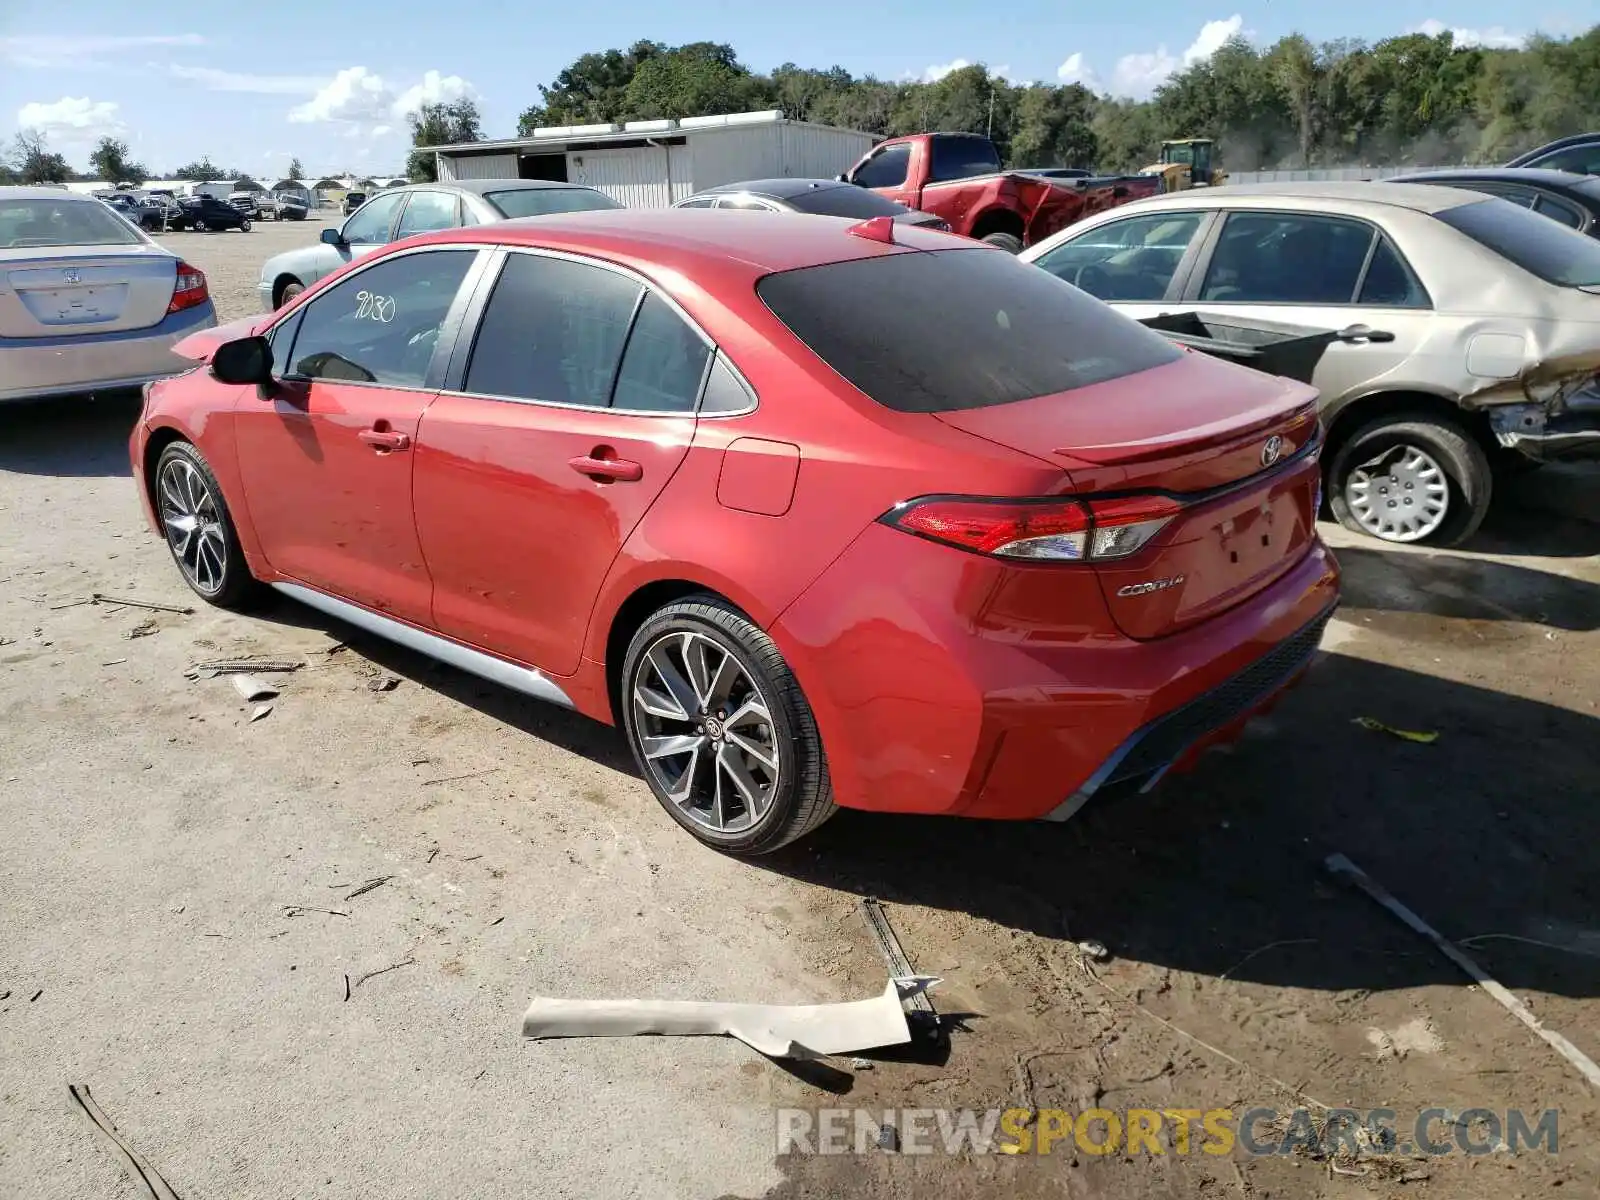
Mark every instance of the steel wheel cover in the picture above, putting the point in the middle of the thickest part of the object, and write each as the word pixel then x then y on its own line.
pixel 1403 495
pixel 704 730
pixel 193 525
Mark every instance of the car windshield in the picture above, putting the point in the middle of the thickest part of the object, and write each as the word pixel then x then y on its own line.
pixel 61 223
pixel 1535 243
pixel 846 200
pixel 542 202
pixel 945 330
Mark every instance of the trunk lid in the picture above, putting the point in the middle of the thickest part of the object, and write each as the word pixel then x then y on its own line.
pixel 1235 446
pixel 65 291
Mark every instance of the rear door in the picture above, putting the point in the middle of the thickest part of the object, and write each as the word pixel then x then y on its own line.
pixel 552 440
pixel 327 459
pixel 1318 271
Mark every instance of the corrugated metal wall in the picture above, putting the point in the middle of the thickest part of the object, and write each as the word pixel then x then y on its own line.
pixel 817 152
pixel 484 166
pixel 634 178
pixel 1331 174
pixel 773 150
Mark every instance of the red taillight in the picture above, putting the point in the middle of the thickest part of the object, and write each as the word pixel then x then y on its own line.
pixel 188 289
pixel 1038 530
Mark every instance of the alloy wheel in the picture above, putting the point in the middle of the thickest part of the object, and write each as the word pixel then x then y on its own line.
pixel 705 732
pixel 193 524
pixel 1402 495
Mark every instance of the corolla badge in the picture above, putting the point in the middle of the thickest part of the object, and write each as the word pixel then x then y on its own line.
pixel 1271 450
pixel 1150 585
pixel 71 275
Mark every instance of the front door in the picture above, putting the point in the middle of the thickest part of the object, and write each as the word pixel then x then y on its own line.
pixel 573 413
pixel 326 460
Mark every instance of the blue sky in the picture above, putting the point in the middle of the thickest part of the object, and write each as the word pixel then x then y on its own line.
pixel 251 85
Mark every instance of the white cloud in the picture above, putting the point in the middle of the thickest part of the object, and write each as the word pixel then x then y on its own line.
pixel 364 100
pixel 71 118
pixel 238 81
pixel 379 131
pixel 70 50
pixel 939 70
pixel 1138 75
pixel 433 89
pixel 1496 37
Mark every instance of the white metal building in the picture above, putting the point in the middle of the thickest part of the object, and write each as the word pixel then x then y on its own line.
pixel 651 164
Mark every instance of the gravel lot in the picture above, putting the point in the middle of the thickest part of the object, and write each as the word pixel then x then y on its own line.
pixel 158 844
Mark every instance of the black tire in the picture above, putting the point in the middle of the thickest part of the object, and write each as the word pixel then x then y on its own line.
pixel 237 589
pixel 1469 477
pixel 244 226
pixel 1009 242
pixel 803 796
pixel 200 225
pixel 290 290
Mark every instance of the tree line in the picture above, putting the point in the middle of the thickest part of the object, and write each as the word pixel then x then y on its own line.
pixel 29 159
pixel 1414 99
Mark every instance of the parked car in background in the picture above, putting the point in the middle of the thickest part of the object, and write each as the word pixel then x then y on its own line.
pixel 205 214
pixel 822 197
pixel 87 301
pixel 159 211
pixel 246 202
pixel 1475 326
pixel 418 208
pixel 353 201
pixel 957 176
pixel 593 457
pixel 283 206
pixel 1572 199
pixel 1579 154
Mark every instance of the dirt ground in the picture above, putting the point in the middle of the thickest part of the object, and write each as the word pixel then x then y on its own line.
pixel 179 889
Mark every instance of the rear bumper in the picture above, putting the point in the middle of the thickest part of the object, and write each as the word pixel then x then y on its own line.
pixel 41 367
pixel 930 698
pixel 1526 429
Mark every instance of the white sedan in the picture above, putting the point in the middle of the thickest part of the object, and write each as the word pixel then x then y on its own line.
pixel 88 302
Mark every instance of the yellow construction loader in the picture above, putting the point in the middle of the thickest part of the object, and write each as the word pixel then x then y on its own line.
pixel 1187 163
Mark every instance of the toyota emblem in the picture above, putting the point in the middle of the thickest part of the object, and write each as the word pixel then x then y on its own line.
pixel 1271 450
pixel 71 275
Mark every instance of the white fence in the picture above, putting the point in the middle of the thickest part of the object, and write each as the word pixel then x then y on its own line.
pixel 1327 174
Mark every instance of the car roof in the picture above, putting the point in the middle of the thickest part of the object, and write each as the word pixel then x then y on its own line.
pixel 778 189
pixel 691 241
pixel 1416 196
pixel 479 186
pixel 29 192
pixel 1534 176
pixel 1561 143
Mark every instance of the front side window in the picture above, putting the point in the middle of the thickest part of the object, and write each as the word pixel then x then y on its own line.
pixel 885 169
pixel 1132 260
pixel 544 202
pixel 1580 160
pixel 699 202
pixel 1287 258
pixel 553 331
pixel 944 330
pixel 25 223
pixel 380 325
pixel 1538 245
pixel 370 224
pixel 664 362
pixel 426 212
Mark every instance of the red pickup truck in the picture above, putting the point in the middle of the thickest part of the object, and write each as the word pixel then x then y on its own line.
pixel 957 176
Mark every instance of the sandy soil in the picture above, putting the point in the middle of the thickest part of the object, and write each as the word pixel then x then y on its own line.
pixel 157 842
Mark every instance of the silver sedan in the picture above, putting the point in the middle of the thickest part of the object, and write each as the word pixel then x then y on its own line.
pixel 87 301
pixel 1471 326
pixel 419 208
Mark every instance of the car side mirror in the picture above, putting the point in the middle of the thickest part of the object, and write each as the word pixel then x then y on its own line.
pixel 244 360
pixel 332 237
pixel 841 178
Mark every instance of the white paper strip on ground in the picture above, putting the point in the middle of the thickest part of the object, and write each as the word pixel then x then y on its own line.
pixel 776 1030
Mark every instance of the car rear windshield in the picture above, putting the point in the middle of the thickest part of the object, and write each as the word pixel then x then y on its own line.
pixel 542 202
pixel 1537 244
pixel 25 223
pixel 846 200
pixel 957 329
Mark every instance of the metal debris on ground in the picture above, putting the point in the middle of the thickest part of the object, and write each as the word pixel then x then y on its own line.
pixel 800 1031
pixel 369 885
pixel 1425 737
pixel 135 1163
pixel 261 711
pixel 1342 867
pixel 409 962
pixel 1095 950
pixel 458 779
pixel 143 629
pixel 383 683
pixel 923 1018
pixel 252 688
pixel 243 666
pixel 98 598
pixel 115 662
pixel 294 910
pixel 69 604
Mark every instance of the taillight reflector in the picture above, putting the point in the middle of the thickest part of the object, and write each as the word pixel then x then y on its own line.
pixel 1038 530
pixel 188 289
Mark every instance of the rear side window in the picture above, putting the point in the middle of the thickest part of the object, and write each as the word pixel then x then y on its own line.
pixel 1537 244
pixel 664 363
pixel 846 200
pixel 1389 282
pixel 1559 210
pixel 542 202
pixel 961 158
pixel 957 329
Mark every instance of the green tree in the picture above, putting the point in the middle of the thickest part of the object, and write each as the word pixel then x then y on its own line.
pixel 35 163
pixel 441 125
pixel 702 79
pixel 1055 127
pixel 202 170
pixel 296 171
pixel 110 162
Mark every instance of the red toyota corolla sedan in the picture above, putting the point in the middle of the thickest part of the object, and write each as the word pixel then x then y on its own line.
pixel 820 514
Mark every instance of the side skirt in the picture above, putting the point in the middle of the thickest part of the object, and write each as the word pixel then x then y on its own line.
pixel 497 670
